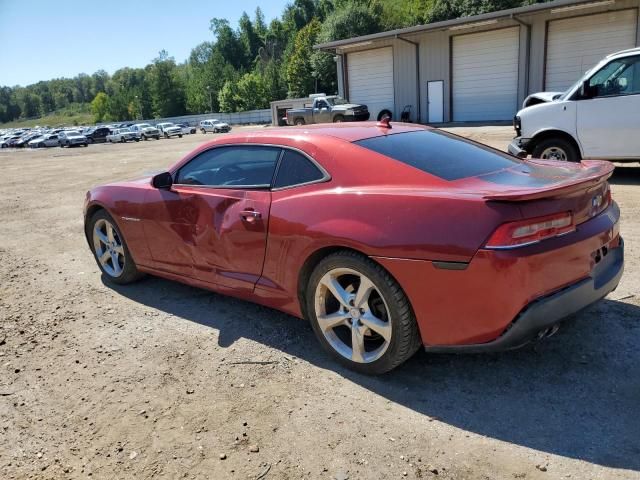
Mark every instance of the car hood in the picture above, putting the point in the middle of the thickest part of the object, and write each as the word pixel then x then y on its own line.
pixel 541 97
pixel 348 106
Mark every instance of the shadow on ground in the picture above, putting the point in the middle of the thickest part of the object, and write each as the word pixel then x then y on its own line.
pixel 575 395
pixel 626 174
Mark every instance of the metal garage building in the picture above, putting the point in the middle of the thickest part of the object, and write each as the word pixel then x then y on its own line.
pixel 481 68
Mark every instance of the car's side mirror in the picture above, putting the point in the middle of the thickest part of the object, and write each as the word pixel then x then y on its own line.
pixel 162 181
pixel 586 90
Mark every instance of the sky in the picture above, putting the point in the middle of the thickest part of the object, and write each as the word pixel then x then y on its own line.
pixel 41 40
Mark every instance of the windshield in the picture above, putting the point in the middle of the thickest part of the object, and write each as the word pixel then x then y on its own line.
pixel 144 125
pixel 336 101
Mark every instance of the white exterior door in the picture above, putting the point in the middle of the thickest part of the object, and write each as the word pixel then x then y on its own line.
pixel 435 101
pixel 608 124
pixel 485 75
pixel 574 45
pixel 370 79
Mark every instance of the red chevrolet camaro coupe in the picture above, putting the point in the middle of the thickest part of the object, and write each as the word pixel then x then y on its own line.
pixel 386 237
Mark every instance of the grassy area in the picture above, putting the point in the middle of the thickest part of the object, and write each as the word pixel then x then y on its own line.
pixel 53 120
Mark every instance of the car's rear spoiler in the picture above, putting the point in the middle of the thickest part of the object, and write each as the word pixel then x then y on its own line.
pixel 593 172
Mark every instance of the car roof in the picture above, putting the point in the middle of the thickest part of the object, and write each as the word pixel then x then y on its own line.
pixel 624 53
pixel 348 131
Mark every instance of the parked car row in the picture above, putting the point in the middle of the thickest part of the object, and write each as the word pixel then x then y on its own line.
pixel 41 137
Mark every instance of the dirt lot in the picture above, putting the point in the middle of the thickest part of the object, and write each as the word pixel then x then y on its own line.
pixel 154 380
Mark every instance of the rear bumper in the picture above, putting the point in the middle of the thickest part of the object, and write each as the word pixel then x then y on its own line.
pixel 546 312
pixel 462 305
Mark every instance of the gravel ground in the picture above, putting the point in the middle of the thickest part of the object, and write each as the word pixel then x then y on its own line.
pixel 161 380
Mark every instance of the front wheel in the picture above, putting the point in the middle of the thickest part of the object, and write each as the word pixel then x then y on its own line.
pixel 110 249
pixel 180 136
pixel 360 314
pixel 203 131
pixel 556 149
pixel 338 119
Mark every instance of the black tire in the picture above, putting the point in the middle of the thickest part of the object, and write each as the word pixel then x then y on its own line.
pixel 166 135
pixel 85 144
pixel 144 137
pixel 130 272
pixel 180 135
pixel 338 119
pixel 203 131
pixel 385 113
pixel 299 121
pixel 405 337
pixel 157 137
pixel 556 147
pixel 137 139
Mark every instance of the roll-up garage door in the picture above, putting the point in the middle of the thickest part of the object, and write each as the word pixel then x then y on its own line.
pixel 370 79
pixel 574 45
pixel 485 75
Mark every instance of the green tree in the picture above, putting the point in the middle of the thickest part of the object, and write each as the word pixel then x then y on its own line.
pixel 300 79
pixel 167 92
pixel 99 106
pixel 228 43
pixel 228 97
pixel 251 92
pixel 250 40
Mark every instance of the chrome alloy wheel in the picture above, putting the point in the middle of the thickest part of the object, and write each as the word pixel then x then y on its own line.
pixel 554 153
pixel 108 248
pixel 352 315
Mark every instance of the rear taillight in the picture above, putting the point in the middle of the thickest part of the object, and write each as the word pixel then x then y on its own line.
pixel 530 231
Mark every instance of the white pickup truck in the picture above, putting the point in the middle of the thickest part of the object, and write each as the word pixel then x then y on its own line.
pixel 598 117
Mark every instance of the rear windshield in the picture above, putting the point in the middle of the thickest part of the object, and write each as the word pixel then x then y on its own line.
pixel 441 154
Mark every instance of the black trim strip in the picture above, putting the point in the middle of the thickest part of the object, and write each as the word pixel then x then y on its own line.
pixel 450 265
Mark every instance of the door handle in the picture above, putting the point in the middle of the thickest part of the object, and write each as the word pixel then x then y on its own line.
pixel 250 216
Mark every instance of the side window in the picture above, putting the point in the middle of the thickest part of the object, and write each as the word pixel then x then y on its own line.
pixel 248 166
pixel 296 169
pixel 321 104
pixel 620 77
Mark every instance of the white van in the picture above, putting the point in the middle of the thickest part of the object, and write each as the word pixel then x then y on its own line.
pixel 598 117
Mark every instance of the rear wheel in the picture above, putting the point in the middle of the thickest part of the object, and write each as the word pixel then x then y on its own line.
pixel 299 121
pixel 556 149
pixel 180 135
pixel 360 314
pixel 110 249
pixel 203 131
